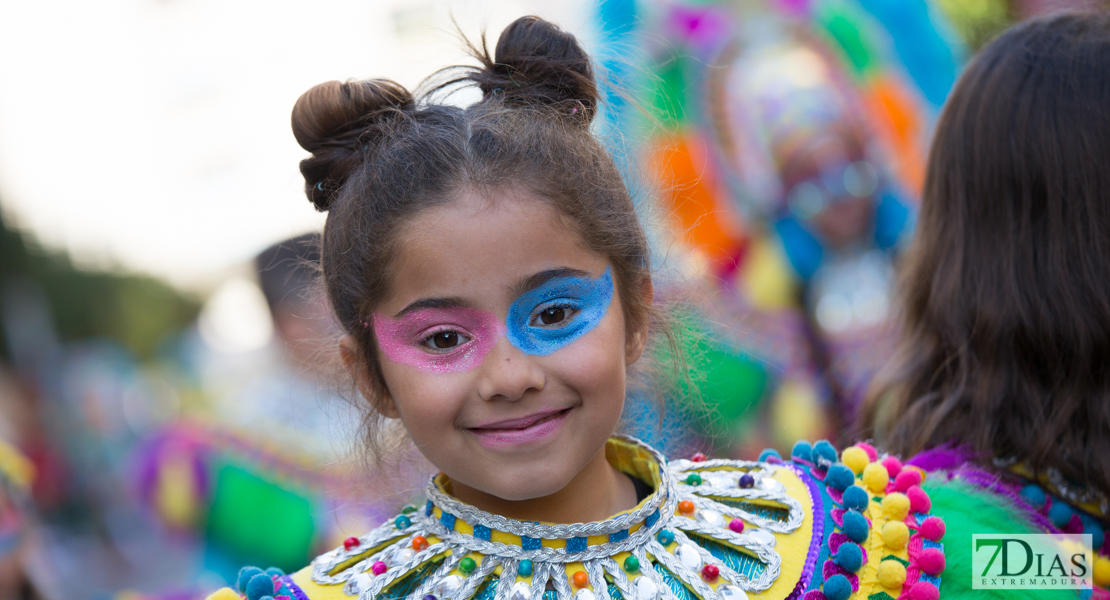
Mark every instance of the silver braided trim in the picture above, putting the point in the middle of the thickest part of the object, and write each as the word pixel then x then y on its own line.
pixel 394 547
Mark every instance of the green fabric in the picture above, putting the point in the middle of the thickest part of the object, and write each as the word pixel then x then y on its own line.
pixel 967 510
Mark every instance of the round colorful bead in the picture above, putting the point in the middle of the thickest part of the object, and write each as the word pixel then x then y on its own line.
pixel 408 510
pixel 631 564
pixel 402 522
pixel 686 507
pixel 710 573
pixel 747 481
pixel 698 457
pixel 581 579
pixel 467 565
pixel 379 567
pixel 524 568
pixel 429 597
pixel 351 542
pixel 665 537
pixel 736 526
pixel 693 479
pixel 419 543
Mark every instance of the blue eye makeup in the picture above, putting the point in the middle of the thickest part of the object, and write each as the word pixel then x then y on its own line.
pixel 553 315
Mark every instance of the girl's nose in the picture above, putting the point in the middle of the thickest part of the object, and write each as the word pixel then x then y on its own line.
pixel 508 374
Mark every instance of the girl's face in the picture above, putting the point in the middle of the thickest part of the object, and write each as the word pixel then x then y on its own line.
pixel 502 344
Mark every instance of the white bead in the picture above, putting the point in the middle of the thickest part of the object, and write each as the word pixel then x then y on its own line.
pixel 771 485
pixel 356 584
pixel 585 594
pixel 646 589
pixel 711 518
pixel 521 590
pixel 688 555
pixel 403 556
pixel 731 592
pixel 448 586
pixel 763 537
pixel 722 482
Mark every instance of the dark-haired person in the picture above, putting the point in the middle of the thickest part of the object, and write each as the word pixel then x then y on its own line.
pixel 1003 379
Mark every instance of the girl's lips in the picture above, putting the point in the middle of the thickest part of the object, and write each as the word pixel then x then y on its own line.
pixel 520 431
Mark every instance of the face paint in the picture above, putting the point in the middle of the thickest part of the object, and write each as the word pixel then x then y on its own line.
pixel 585 301
pixel 409 339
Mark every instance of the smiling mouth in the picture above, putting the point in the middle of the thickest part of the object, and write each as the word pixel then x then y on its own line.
pixel 518 431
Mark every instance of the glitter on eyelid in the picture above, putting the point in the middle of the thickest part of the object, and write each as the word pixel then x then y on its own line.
pixel 398 338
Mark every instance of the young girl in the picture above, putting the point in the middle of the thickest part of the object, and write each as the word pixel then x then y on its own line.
pixel 1003 376
pixel 495 287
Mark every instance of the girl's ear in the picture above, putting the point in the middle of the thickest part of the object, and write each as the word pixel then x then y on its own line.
pixel 377 395
pixel 637 339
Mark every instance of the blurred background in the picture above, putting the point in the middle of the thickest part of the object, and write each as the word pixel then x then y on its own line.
pixel 163 410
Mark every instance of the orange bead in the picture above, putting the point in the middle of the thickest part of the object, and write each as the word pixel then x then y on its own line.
pixel 419 543
pixel 581 579
pixel 686 507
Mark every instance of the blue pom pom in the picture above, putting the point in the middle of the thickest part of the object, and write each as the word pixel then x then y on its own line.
pixel 856 498
pixel 260 585
pixel 1034 495
pixel 854 525
pixel 824 455
pixel 245 575
pixel 275 572
pixel 850 557
pixel 802 450
pixel 1098 535
pixel 266 598
pixel 840 476
pixel 837 587
pixel 1060 513
pixel 768 453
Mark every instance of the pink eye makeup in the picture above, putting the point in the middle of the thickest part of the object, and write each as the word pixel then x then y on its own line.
pixel 438 340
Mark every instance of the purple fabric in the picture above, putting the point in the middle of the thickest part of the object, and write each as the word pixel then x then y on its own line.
pixel 943 458
pixel 298 593
pixel 818 534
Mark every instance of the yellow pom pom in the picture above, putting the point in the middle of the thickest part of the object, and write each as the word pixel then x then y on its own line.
pixel 876 478
pixel 1102 572
pixel 892 574
pixel 895 535
pixel 896 506
pixel 224 594
pixel 855 458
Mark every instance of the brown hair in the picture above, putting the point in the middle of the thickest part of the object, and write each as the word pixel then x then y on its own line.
pixel 381 155
pixel 1006 292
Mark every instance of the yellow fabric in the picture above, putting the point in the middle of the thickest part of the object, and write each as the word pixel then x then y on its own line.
pixel 792 547
pixel 767 276
pixel 224 594
pixel 16 467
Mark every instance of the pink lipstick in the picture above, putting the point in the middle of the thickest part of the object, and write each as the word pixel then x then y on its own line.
pixel 527 429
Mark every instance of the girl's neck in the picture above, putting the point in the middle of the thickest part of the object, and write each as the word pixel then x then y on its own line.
pixel 596 493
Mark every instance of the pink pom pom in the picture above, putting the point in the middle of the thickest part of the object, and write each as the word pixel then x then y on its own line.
pixel 931 561
pixel 933 528
pixel 893 466
pixel 870 450
pixel 906 479
pixel 923 590
pixel 919 500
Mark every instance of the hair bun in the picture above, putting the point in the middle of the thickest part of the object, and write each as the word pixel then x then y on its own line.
pixel 335 121
pixel 536 62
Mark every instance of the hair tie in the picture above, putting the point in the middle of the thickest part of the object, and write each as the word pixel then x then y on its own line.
pixel 320 186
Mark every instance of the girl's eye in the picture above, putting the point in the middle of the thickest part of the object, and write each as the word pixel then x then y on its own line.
pixel 554 316
pixel 445 340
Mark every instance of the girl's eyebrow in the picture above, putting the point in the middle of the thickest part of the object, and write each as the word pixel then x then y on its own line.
pixel 534 281
pixel 454 302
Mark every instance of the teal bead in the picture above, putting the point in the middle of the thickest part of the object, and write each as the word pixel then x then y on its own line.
pixel 665 538
pixel 693 479
pixel 402 522
pixel 408 510
pixel 524 569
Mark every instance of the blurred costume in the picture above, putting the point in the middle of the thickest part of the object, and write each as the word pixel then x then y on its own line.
pixel 705 529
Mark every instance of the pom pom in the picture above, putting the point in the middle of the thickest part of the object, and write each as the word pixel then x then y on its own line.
pixel 919 500
pixel 856 498
pixel 802 450
pixel 768 453
pixel 1102 571
pixel 850 557
pixel 896 506
pixel 837 587
pixel 855 526
pixel 931 560
pixel 933 528
pixel 1098 536
pixel 893 466
pixel 923 590
pixel 892 574
pixel 824 455
pixel 876 478
pixel 260 585
pixel 839 477
pixel 245 575
pixel 855 458
pixel 872 455
pixel 1034 495
pixel 275 572
pixel 906 479
pixel 895 535
pixel 1060 514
